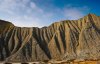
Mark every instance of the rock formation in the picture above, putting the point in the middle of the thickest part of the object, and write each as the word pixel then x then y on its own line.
pixel 65 40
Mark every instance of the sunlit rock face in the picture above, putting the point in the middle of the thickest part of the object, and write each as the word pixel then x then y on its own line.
pixel 65 40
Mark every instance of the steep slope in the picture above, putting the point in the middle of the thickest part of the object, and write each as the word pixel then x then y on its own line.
pixel 65 40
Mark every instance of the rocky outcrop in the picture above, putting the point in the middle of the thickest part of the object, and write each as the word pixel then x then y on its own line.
pixel 65 40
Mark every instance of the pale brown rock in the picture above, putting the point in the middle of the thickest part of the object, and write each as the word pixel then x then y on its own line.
pixel 66 40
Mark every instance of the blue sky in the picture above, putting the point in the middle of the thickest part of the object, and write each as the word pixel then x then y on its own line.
pixel 39 13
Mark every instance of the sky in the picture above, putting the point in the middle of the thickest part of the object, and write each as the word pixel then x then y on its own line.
pixel 39 13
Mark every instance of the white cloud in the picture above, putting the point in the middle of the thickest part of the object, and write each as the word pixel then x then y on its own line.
pixel 27 21
pixel 74 13
pixel 28 13
pixel 32 5
pixel 21 12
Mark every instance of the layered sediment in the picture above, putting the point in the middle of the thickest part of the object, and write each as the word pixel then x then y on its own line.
pixel 65 40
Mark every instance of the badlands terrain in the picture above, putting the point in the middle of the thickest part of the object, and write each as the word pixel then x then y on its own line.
pixel 64 42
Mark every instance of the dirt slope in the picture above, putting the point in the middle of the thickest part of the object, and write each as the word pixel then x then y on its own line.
pixel 65 40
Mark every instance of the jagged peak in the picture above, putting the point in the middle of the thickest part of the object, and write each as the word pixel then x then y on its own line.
pixel 88 15
pixel 53 24
pixel 91 14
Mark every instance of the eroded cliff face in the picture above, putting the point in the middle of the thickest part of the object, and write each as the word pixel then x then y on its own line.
pixel 65 40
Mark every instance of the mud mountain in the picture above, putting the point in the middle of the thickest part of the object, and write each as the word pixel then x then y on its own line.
pixel 65 40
